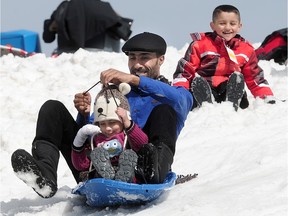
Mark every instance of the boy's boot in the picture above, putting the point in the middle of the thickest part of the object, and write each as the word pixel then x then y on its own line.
pixel 40 170
pixel 100 159
pixel 235 89
pixel 127 163
pixel 154 162
pixel 201 90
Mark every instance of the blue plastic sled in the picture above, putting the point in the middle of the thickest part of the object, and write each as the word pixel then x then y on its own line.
pixel 101 192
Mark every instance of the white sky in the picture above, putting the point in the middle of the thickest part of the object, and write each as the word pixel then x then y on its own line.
pixel 174 20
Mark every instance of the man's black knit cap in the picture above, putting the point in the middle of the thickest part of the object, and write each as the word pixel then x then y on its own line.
pixel 146 42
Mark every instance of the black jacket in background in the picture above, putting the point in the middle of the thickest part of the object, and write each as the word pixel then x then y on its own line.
pixel 82 24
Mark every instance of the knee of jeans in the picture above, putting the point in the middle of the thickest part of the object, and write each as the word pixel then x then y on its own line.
pixel 52 106
pixel 53 103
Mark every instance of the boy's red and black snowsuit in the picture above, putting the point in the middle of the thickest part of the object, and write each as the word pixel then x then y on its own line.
pixel 207 56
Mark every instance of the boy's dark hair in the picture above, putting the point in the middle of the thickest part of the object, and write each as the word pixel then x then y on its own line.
pixel 225 8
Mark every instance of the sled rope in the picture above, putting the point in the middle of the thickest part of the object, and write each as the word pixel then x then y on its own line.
pixel 124 129
pixel 91 87
pixel 92 147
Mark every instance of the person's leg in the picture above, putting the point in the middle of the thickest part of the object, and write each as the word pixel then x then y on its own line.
pixel 161 131
pixel 161 126
pixel 219 92
pixel 235 89
pixel 38 174
pixel 201 91
pixel 220 95
pixel 100 159
pixel 244 103
pixel 126 166
pixel 55 131
pixel 56 125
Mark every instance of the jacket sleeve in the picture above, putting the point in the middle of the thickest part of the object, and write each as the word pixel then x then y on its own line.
pixel 136 137
pixel 254 78
pixel 187 67
pixel 179 98
pixel 81 120
pixel 80 160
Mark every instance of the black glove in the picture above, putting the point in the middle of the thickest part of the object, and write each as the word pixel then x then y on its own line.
pixel 163 79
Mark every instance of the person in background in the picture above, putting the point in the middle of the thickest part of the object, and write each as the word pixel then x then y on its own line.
pixel 158 108
pixel 274 46
pixel 218 63
pixel 87 24
pixel 111 130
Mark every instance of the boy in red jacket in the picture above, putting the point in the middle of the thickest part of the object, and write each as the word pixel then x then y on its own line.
pixel 218 63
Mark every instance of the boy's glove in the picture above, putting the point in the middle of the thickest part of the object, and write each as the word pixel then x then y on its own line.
pixel 163 79
pixel 83 133
pixel 270 99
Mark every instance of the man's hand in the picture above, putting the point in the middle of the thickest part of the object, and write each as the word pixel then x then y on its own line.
pixel 82 102
pixel 117 77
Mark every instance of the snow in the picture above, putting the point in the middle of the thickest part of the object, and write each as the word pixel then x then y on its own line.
pixel 240 157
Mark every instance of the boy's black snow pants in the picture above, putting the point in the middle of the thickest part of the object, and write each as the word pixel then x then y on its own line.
pixel 219 94
pixel 56 126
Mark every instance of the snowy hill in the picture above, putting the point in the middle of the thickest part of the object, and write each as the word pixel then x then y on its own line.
pixel 240 157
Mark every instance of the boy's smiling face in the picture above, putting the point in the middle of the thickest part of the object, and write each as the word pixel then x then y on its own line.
pixel 226 25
